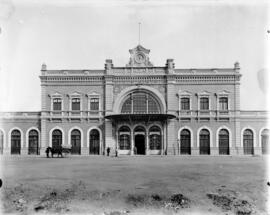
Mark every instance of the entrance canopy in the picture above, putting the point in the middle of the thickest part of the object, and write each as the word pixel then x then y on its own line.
pixel 140 117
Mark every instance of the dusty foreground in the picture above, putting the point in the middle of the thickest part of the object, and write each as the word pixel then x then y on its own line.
pixel 134 185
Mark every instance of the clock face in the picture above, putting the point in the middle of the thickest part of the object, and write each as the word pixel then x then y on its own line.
pixel 139 57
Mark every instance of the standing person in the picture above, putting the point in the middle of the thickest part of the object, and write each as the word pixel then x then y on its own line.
pixel 108 151
pixel 116 152
pixel 135 150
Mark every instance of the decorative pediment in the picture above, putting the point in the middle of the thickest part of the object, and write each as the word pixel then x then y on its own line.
pixel 204 93
pixel 184 93
pixel 56 95
pixel 224 92
pixel 75 94
pixel 93 94
pixel 139 57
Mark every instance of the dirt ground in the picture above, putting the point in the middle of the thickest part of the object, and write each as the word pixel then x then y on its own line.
pixel 134 185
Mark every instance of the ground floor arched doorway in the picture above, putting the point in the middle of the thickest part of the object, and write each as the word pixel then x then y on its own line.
pixel 94 142
pixel 139 144
pixel 139 140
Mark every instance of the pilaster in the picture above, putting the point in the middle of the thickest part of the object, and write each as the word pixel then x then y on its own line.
pixel 171 138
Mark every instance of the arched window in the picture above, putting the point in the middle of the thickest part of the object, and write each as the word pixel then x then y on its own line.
pixel 204 142
pixel 75 142
pixel 248 142
pixel 1 142
pixel 155 138
pixel 140 103
pixel 124 138
pixel 265 141
pixel 56 138
pixel 33 142
pixel 223 138
pixel 185 140
pixel 16 142
pixel 94 142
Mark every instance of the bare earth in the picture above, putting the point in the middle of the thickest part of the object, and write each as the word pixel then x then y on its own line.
pixel 134 185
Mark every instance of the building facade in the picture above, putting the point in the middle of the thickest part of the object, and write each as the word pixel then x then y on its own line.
pixel 138 109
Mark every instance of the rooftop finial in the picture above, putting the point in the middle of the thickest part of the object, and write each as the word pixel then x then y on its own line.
pixel 139 33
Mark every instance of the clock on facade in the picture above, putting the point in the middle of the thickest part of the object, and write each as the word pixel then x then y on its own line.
pixel 140 58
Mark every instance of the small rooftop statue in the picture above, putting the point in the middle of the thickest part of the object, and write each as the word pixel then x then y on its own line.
pixel 236 65
pixel 43 67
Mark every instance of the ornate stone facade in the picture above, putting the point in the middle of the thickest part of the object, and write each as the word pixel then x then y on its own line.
pixel 138 109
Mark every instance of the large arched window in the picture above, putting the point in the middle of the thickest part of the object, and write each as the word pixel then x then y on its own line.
pixel 140 103
pixel 33 142
pixel 223 138
pixel 75 142
pixel 94 142
pixel 16 142
pixel 124 138
pixel 265 141
pixel 155 138
pixel 248 142
pixel 1 142
pixel 56 138
pixel 204 142
pixel 185 140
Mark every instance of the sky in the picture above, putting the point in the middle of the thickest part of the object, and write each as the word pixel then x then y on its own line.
pixel 81 34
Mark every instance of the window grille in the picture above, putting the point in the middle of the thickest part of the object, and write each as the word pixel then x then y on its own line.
pixel 204 142
pixel 185 147
pixel 57 104
pixel 94 142
pixel 75 104
pixel 124 138
pixel 33 142
pixel 223 142
pixel 94 104
pixel 185 104
pixel 248 142
pixel 223 103
pixel 155 138
pixel 140 103
pixel 204 103
pixel 15 142
pixel 75 142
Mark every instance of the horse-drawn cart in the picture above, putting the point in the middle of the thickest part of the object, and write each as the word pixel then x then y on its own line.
pixel 62 151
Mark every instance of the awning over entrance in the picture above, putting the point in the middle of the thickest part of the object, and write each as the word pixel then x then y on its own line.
pixel 140 117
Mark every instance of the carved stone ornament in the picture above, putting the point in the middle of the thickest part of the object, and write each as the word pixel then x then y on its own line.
pixel 139 57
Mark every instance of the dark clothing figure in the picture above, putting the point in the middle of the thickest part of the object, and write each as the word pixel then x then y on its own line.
pixel 116 153
pixel 135 150
pixel 47 152
pixel 108 151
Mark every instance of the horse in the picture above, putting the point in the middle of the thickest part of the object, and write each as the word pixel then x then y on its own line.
pixel 57 150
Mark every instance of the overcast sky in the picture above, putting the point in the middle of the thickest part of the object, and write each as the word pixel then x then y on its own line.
pixel 80 34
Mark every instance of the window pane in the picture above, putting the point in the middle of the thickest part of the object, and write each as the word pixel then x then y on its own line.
pixel 94 104
pixel 75 104
pixel 204 104
pixel 57 103
pixel 223 103
pixel 185 104
pixel 140 103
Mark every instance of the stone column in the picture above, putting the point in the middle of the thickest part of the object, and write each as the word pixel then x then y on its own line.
pixel 132 142
pixel 147 144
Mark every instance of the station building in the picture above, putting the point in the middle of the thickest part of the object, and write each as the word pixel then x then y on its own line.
pixel 138 109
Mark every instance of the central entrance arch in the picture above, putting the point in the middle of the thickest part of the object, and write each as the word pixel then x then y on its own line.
pixel 139 146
